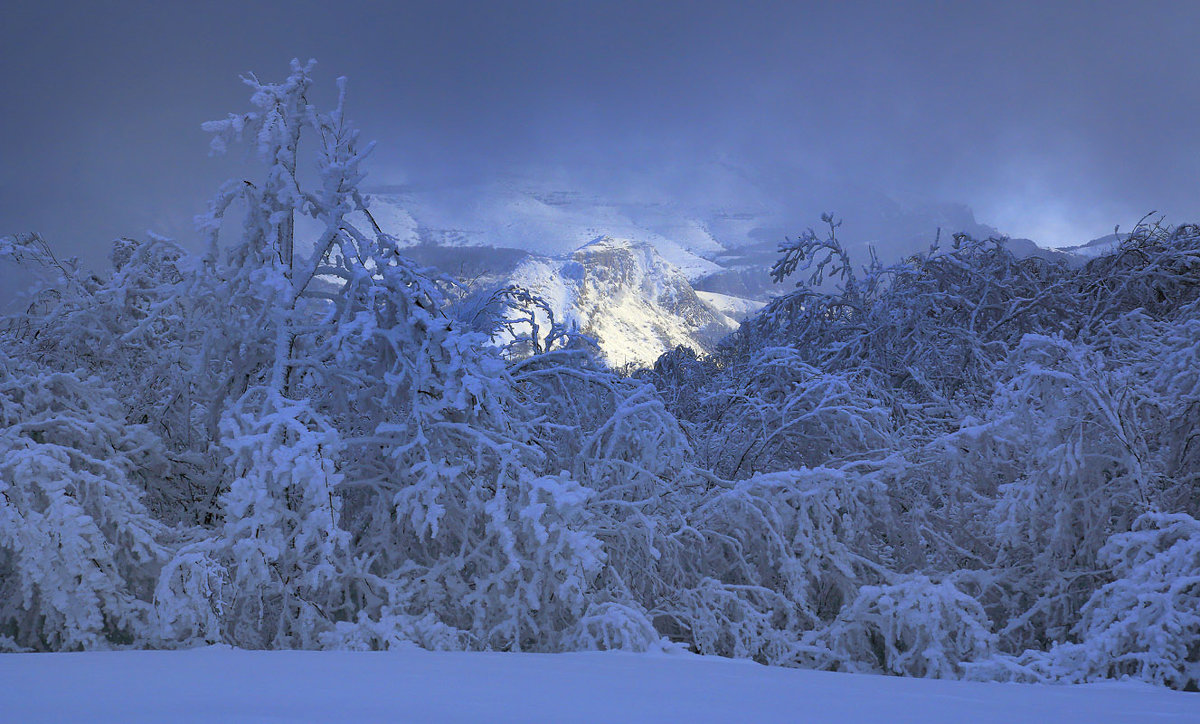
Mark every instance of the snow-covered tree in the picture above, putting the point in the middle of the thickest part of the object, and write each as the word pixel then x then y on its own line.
pixel 79 550
pixel 1146 622
pixel 913 627
pixel 287 555
pixel 966 464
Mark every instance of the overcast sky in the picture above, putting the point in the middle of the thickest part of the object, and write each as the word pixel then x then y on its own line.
pixel 1051 120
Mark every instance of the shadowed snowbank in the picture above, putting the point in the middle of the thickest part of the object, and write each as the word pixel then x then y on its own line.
pixel 229 685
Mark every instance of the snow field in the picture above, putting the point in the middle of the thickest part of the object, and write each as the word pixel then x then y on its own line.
pixel 230 685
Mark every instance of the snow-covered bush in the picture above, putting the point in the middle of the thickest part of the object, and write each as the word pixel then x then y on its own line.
pixel 192 596
pixel 611 626
pixel 775 412
pixel 448 498
pixel 287 556
pixel 301 438
pixel 1146 622
pixel 137 327
pixel 514 571
pixel 768 558
pixel 1087 467
pixel 914 627
pixel 1175 370
pixel 1155 269
pixel 927 330
pixel 389 630
pixel 616 437
pixel 79 551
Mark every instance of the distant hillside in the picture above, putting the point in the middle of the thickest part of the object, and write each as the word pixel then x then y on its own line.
pixel 721 244
pixel 642 274
pixel 1095 247
pixel 621 292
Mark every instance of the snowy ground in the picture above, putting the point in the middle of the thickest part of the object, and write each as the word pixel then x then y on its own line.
pixel 219 684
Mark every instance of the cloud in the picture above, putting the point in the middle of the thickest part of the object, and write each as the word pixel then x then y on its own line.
pixel 1057 121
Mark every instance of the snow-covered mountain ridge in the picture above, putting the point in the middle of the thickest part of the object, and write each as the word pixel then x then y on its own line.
pixel 621 292
pixel 736 227
pixel 1095 247
pixel 626 295
pixel 543 221
pixel 643 274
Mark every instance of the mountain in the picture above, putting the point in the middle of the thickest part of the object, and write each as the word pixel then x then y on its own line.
pixel 642 272
pixel 621 292
pixel 1024 248
pixel 521 214
pixel 626 295
pixel 1094 248
pixel 723 240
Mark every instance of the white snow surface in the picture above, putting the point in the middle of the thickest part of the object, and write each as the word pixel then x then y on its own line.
pixel 228 685
pixel 1095 247
pixel 732 307
pixel 623 292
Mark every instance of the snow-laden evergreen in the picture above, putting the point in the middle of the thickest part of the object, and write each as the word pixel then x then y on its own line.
pixel 963 465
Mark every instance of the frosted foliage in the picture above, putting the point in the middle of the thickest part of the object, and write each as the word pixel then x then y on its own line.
pixel 136 329
pixel 284 547
pixel 784 413
pixel 608 430
pixel 444 499
pixel 390 631
pixel 1146 622
pixel 509 562
pixel 914 627
pixel 637 445
pixel 763 561
pixel 78 549
pixel 1177 381
pixel 966 464
pixel 191 595
pixel 541 567
pixel 1085 472
pixel 614 626
pixel 796 533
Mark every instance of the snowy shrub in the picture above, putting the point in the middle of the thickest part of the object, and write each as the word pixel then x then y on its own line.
pixel 446 499
pixel 778 413
pixel 1155 269
pixel 1146 622
pixel 494 552
pixel 137 327
pixel 804 533
pixel 681 376
pixel 286 553
pixel 1087 467
pixel 1176 380
pixel 393 631
pixel 587 416
pixel 773 556
pixel 636 446
pixel 192 597
pixel 742 621
pixel 616 436
pixel 530 568
pixel 927 330
pixel 613 626
pixel 915 627
pixel 78 549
